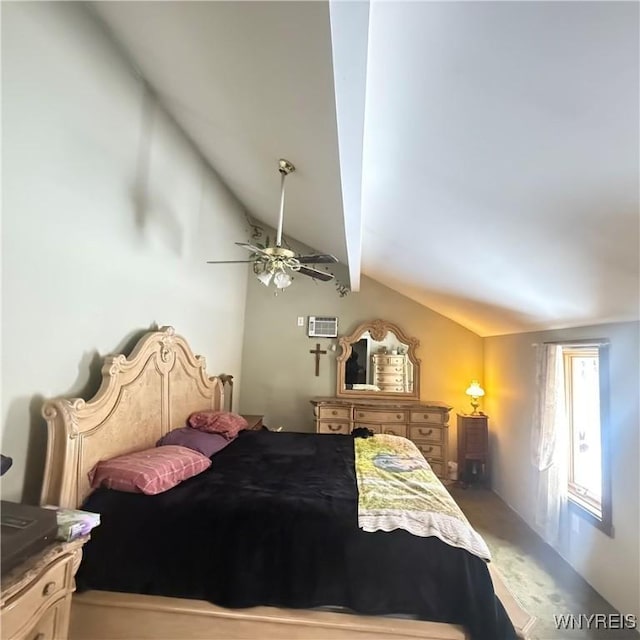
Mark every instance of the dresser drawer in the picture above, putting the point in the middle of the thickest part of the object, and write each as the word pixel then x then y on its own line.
pixel 326 426
pixel 335 413
pixel 32 601
pixel 430 450
pixel 426 433
pixel 438 467
pixel 395 430
pixel 389 369
pixel 389 361
pixel 52 625
pixel 376 428
pixel 437 417
pixel 391 387
pixel 379 416
pixel 389 378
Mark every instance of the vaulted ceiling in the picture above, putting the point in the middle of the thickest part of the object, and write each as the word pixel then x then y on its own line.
pixel 481 158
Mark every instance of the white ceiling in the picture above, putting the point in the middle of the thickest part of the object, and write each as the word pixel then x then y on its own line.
pixel 481 157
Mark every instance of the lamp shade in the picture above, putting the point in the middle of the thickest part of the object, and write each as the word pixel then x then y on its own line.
pixel 281 279
pixel 264 277
pixel 475 390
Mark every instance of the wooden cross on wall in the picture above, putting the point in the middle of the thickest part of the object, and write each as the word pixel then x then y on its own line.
pixel 317 352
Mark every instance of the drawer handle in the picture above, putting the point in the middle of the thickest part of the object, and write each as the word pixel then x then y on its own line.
pixel 49 588
pixel 430 449
pixel 40 636
pixel 428 433
pixel 334 427
pixel 334 413
pixel 361 415
pixel 399 416
pixel 426 416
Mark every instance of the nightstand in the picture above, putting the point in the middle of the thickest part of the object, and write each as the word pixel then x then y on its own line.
pixel 473 449
pixel 36 595
pixel 255 422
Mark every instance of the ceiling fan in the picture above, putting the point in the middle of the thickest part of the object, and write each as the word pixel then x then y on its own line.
pixel 275 263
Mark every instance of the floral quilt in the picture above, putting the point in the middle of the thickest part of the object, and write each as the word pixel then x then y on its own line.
pixel 397 489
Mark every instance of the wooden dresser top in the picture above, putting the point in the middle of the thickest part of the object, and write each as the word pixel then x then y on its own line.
pixel 381 403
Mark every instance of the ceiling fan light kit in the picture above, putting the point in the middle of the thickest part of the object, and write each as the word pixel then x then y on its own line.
pixel 272 265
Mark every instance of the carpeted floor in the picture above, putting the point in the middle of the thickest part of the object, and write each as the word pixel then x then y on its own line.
pixel 537 576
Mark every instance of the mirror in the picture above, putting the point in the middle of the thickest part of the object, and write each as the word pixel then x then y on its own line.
pixel 378 361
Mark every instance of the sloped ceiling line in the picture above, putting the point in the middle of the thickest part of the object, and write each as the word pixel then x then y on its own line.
pixel 434 141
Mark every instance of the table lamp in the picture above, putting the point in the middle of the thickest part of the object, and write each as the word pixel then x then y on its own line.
pixel 475 391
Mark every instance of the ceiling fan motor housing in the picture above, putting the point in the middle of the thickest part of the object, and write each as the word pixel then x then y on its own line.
pixel 279 252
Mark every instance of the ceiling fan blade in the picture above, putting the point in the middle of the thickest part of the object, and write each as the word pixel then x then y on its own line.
pixel 252 247
pixel 229 261
pixel 321 258
pixel 314 273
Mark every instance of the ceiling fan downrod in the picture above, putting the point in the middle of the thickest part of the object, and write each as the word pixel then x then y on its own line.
pixel 285 168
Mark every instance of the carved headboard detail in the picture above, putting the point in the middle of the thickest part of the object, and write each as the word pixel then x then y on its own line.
pixel 142 396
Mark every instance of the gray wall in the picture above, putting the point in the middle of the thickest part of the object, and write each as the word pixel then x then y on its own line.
pixel 279 372
pixel 610 565
pixel 108 217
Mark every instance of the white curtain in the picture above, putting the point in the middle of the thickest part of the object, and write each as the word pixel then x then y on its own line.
pixel 550 442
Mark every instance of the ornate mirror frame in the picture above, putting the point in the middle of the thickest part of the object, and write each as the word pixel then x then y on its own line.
pixel 377 329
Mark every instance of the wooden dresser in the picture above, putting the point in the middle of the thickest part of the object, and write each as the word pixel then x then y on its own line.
pixel 36 595
pixel 425 423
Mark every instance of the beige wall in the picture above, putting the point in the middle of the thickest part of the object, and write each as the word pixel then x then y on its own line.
pixel 108 216
pixel 610 565
pixel 278 370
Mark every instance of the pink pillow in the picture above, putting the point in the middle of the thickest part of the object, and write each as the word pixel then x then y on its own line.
pixel 225 422
pixel 150 471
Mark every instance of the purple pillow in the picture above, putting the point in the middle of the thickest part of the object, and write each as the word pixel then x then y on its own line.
pixel 206 443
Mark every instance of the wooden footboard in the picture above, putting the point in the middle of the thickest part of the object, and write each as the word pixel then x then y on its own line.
pixel 104 615
pixel 521 620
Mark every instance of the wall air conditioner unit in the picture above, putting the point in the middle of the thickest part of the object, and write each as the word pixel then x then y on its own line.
pixel 322 327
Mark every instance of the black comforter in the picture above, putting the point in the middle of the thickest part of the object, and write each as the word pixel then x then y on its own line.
pixel 273 521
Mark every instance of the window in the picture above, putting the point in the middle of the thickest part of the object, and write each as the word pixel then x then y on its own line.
pixel 586 385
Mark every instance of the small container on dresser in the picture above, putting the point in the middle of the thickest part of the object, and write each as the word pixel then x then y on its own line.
pixel 424 423
pixel 473 449
pixel 36 595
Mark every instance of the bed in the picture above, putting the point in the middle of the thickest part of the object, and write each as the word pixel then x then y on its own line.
pixel 142 397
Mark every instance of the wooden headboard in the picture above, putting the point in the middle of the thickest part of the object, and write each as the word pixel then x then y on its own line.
pixel 142 396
